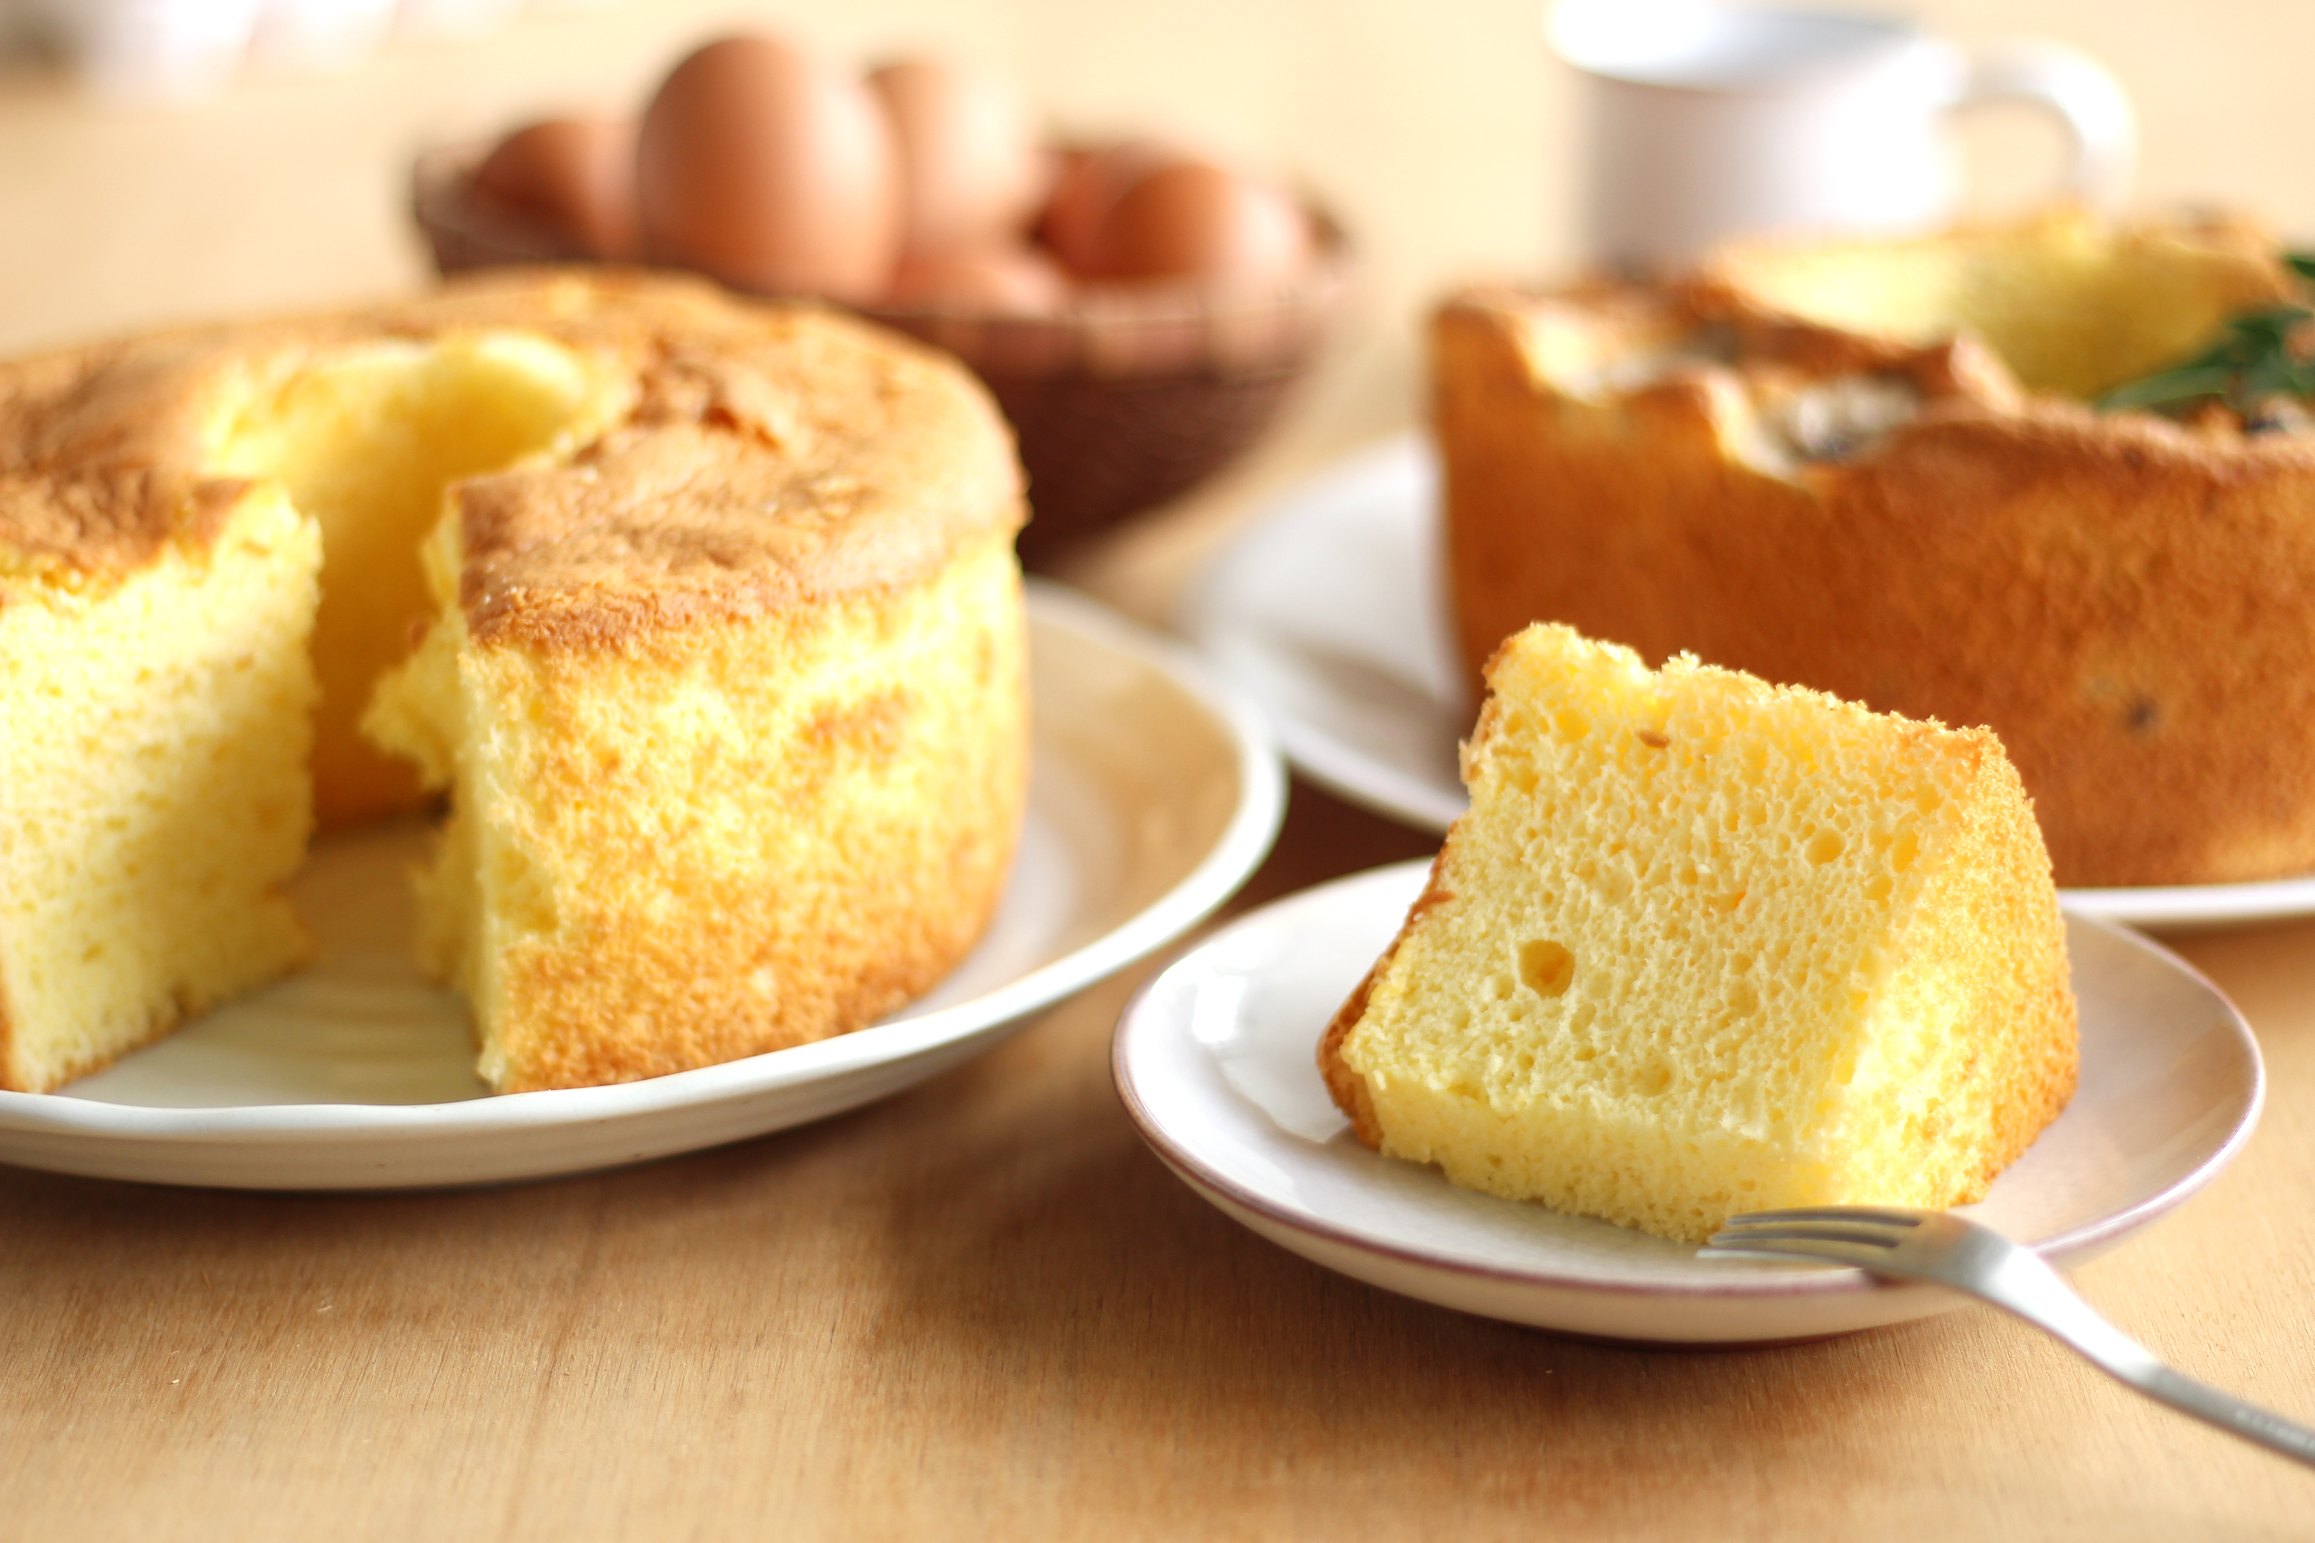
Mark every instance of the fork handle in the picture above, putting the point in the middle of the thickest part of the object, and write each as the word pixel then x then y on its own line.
pixel 2224 1410
pixel 2041 1296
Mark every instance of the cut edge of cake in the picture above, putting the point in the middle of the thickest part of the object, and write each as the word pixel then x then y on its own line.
pixel 154 761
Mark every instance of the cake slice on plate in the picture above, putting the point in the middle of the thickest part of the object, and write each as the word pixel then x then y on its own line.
pixel 1704 945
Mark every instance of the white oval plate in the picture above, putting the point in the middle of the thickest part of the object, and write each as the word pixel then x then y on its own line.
pixel 1326 612
pixel 1215 1059
pixel 1152 795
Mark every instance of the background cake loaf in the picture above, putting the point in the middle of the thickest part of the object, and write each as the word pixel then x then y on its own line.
pixel 724 659
pixel 1702 946
pixel 1872 469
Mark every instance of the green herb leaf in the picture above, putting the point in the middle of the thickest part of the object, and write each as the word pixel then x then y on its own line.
pixel 2188 383
pixel 2254 361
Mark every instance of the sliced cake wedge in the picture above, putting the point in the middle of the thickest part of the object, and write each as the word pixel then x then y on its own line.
pixel 1704 945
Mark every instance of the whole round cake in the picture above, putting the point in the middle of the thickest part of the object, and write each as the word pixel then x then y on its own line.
pixel 1883 470
pixel 720 656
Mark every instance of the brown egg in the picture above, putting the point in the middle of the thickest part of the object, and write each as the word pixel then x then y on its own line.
pixel 1196 220
pixel 1085 184
pixel 574 175
pixel 970 169
pixel 1011 279
pixel 767 167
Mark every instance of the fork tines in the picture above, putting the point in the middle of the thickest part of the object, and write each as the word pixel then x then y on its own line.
pixel 1840 1234
pixel 1895 1216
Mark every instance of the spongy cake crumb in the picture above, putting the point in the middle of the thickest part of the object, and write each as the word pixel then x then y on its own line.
pixel 1702 946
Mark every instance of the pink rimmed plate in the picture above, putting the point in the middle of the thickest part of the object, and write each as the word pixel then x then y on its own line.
pixel 1214 1059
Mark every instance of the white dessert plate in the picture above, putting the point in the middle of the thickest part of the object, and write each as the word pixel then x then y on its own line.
pixel 1326 611
pixel 1152 795
pixel 1214 1058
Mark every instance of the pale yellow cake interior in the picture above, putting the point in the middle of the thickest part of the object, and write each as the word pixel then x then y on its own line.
pixel 1696 949
pixel 366 440
pixel 153 790
pixel 155 785
pixel 2070 305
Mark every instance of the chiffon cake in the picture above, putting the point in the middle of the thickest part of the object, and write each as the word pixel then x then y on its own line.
pixel 1702 945
pixel 719 655
pixel 1879 469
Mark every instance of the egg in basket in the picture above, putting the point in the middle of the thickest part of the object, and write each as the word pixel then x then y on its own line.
pixel 1138 309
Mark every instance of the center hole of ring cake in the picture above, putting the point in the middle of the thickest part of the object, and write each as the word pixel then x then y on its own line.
pixel 1546 967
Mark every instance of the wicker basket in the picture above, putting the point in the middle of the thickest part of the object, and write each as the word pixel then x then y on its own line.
pixel 1128 398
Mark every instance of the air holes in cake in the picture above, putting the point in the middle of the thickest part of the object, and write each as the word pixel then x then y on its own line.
pixel 1546 967
pixel 1654 740
pixel 1653 1079
pixel 1877 887
pixel 1725 903
pixel 1826 845
pixel 1500 987
pixel 1903 850
pixel 2143 715
pixel 1571 725
pixel 1743 1000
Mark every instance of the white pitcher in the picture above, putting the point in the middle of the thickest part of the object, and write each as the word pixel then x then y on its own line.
pixel 1711 121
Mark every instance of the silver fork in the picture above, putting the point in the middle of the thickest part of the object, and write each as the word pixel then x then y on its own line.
pixel 1937 1246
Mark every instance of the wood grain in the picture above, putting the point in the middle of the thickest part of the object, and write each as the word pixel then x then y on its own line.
pixel 984 1309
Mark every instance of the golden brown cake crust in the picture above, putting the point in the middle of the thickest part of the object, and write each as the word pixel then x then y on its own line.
pixel 720 895
pixel 100 457
pixel 2128 603
pixel 1347 1087
pixel 771 454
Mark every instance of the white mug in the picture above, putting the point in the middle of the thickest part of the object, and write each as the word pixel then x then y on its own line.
pixel 1710 121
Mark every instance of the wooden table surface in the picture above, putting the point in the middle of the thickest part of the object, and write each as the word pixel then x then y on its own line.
pixel 983 1308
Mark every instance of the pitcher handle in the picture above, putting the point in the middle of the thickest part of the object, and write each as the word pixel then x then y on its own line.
pixel 2083 95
